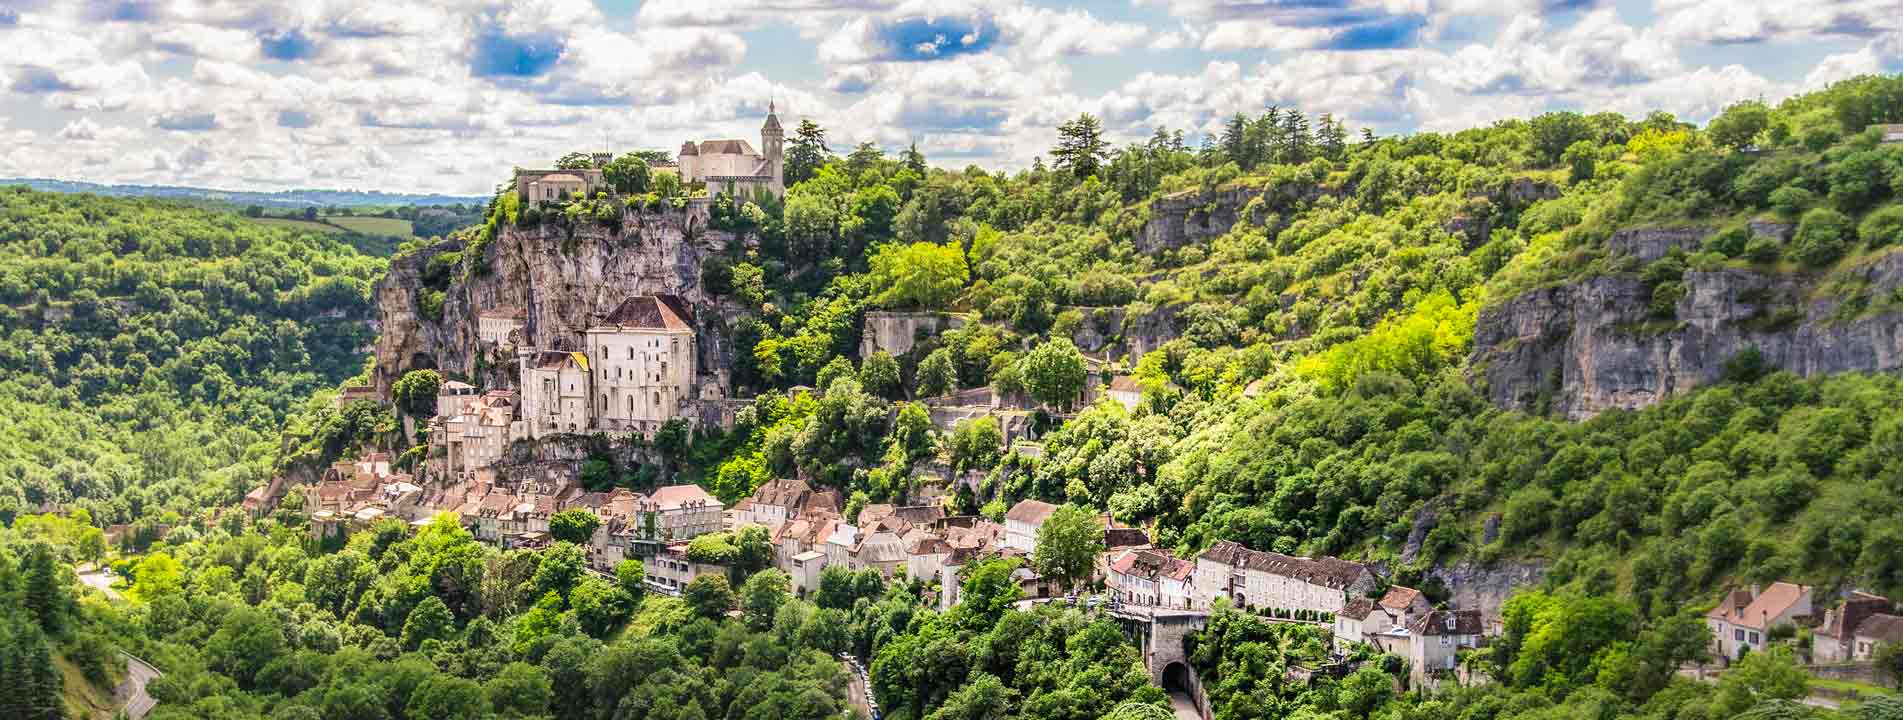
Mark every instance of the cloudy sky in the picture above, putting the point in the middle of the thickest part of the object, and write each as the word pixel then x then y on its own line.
pixel 447 95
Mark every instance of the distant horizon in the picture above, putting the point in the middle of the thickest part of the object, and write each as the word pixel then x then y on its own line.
pixel 165 190
pixel 445 98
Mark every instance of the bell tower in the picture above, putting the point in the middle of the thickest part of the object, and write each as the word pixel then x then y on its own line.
pixel 773 144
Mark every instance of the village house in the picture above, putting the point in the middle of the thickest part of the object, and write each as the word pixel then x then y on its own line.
pixel 1402 605
pixel 643 359
pixel 804 570
pixel 734 167
pixel 1354 621
pixel 681 512
pixel 1150 578
pixel 495 325
pixel 353 393
pixel 1890 133
pixel 1437 639
pixel 534 187
pixel 1022 523
pixel 1124 390
pixel 1835 640
pixel 1743 621
pixel 1276 582
pixel 554 392
pixel 669 571
pixel 774 502
pixel 1873 634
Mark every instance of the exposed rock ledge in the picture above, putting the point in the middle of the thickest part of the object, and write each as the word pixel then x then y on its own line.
pixel 1586 347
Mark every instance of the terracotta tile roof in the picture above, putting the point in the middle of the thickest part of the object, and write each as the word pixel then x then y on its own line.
pixel 1882 628
pixel 1125 383
pixel 781 493
pixel 1034 512
pixel 559 177
pixel 1446 622
pixel 1774 601
pixel 1357 609
pixel 873 513
pixel 674 496
pixel 1399 598
pixel 649 312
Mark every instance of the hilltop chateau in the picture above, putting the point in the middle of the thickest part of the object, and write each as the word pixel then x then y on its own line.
pixel 729 166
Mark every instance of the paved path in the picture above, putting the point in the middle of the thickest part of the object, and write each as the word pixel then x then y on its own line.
pixel 102 580
pixel 1183 706
pixel 132 689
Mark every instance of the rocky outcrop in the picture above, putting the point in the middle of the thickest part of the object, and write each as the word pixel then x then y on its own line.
pixel 1193 216
pixel 1485 587
pixel 1111 332
pixel 897 332
pixel 1585 347
pixel 564 276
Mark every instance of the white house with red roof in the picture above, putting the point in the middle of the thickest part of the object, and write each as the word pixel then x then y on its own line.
pixel 1743 620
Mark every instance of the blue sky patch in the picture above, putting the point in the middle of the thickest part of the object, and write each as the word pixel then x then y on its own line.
pixel 920 39
pixel 1396 32
pixel 186 122
pixel 503 56
pixel 295 119
pixel 288 45
pixel 35 80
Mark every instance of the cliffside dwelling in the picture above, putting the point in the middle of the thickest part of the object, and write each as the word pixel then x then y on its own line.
pixel 1743 621
pixel 499 326
pixel 642 355
pixel 558 186
pixel 1151 578
pixel 734 167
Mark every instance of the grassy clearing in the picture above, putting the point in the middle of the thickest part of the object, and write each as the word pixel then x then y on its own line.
pixel 83 699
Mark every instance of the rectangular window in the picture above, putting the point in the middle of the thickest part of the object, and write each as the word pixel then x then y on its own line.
pixel 1754 638
pixel 1738 635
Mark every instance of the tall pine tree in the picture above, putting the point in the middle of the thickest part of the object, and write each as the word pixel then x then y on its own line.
pixel 1080 147
pixel 806 153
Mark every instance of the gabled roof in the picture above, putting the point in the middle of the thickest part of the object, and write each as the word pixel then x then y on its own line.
pixel 1773 602
pixel 1117 537
pixel 1399 598
pixel 1125 383
pixel 1357 609
pixel 726 147
pixel 676 496
pixel 1882 628
pixel 649 312
pixel 1447 622
pixel 1033 512
pixel 559 177
pixel 781 493
pixel 1842 623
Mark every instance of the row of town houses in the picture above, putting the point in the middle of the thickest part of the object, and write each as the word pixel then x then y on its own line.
pixel 809 532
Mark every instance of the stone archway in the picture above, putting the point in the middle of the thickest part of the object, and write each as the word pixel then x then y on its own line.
pixel 1176 678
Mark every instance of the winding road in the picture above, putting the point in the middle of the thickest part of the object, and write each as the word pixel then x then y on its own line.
pixel 131 691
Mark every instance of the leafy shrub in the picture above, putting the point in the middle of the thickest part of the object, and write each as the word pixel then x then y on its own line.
pixel 1791 201
pixel 1883 227
pixel 1821 237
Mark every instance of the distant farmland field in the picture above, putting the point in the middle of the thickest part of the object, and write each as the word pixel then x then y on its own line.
pixel 291 224
pixel 393 227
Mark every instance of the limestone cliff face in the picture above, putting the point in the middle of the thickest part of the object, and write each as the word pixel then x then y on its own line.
pixel 1193 216
pixel 564 277
pixel 1585 347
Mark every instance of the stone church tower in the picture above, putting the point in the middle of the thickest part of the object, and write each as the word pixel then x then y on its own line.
pixel 773 146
